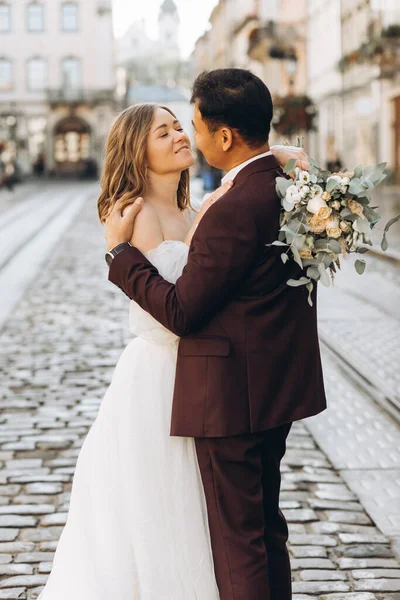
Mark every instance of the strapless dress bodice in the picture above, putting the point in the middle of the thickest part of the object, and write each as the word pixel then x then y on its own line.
pixel 169 258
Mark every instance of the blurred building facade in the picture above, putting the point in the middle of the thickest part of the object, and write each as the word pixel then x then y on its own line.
pixel 56 80
pixel 333 68
pixel 143 61
pixel 268 37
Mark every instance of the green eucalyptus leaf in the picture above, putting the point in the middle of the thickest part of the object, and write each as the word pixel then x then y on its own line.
pixel 360 265
pixel 358 171
pixel 384 243
pixel 298 282
pixel 282 185
pixel 391 222
pixel 362 250
pixel 331 184
pixel 310 287
pixel 355 187
pixel 284 258
pixel 362 226
pixel 324 277
pixel 313 273
pixel 277 243
pixel 296 256
pixel 290 165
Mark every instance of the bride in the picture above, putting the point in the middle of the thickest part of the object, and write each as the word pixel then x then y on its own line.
pixel 137 524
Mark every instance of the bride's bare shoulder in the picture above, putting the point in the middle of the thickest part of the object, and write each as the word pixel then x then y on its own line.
pixel 147 232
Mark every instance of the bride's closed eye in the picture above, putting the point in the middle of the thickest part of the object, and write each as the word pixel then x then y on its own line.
pixel 165 134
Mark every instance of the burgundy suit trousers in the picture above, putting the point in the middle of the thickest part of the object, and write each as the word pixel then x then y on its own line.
pixel 241 478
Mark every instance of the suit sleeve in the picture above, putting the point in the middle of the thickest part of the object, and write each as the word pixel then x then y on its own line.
pixel 222 252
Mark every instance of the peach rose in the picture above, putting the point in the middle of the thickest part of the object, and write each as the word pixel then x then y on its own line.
pixel 326 196
pixel 317 225
pixel 333 229
pixel 305 252
pixel 315 204
pixel 356 208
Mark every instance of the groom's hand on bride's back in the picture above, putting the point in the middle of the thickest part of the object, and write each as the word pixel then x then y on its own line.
pixel 120 222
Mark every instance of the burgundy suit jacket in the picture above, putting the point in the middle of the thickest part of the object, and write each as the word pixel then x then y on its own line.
pixel 248 358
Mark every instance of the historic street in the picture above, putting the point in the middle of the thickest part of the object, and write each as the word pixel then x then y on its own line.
pixel 63 328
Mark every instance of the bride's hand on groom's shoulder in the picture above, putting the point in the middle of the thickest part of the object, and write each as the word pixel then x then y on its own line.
pixel 285 153
pixel 210 200
pixel 215 196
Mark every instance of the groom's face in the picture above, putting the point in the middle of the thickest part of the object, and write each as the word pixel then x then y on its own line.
pixel 206 141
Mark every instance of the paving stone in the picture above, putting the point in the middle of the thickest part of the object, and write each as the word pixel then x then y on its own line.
pixel 16 569
pixel 54 519
pixel 377 585
pixel 21 509
pixel 313 540
pixel 355 538
pixel 319 587
pixel 14 594
pixel 14 520
pixel 9 490
pixel 317 503
pixel 368 563
pixel 376 574
pixel 308 552
pixel 34 557
pixel 322 575
pixel 8 535
pixel 24 580
pixel 15 547
pixel 45 567
pixel 5 558
pixel 367 550
pixel 311 563
pixel 350 596
pixel 301 515
pixel 338 516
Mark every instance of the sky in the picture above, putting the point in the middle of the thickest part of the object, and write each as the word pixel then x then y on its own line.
pixel 194 15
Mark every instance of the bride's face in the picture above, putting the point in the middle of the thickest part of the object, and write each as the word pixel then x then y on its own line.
pixel 168 147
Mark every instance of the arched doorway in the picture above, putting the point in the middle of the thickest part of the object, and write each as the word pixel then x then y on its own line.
pixel 71 146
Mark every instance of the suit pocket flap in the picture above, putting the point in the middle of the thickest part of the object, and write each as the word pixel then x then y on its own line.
pixel 205 346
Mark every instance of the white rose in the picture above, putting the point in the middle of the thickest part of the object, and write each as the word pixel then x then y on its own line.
pixel 304 191
pixel 315 204
pixel 316 190
pixel 345 181
pixel 291 191
pixel 304 177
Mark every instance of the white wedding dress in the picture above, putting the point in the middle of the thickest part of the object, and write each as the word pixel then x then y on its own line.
pixel 137 525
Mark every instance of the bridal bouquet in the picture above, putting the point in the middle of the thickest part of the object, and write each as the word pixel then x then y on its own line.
pixel 326 216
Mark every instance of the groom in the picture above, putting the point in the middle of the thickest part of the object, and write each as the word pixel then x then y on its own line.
pixel 248 359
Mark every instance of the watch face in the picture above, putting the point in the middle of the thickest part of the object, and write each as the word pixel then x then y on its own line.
pixel 109 258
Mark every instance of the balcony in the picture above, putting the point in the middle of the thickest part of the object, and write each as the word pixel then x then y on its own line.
pixel 260 41
pixel 76 96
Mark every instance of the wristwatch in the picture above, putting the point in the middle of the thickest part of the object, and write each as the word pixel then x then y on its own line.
pixel 111 254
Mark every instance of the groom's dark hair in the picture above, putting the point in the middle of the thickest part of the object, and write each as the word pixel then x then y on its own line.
pixel 238 99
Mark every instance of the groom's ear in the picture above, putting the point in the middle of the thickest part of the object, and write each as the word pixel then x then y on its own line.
pixel 227 139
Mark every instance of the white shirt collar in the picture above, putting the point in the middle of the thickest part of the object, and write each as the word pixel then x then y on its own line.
pixel 230 176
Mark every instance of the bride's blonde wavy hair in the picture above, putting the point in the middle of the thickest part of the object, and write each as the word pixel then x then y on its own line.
pixel 124 173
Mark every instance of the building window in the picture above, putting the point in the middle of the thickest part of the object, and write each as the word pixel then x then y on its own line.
pixel 37 75
pixel 5 17
pixel 69 16
pixel 35 17
pixel 5 75
pixel 71 73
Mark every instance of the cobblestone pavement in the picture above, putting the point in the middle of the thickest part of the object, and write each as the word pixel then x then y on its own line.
pixel 57 354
